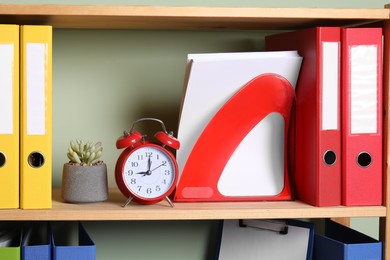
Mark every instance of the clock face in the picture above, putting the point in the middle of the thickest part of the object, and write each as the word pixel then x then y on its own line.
pixel 149 172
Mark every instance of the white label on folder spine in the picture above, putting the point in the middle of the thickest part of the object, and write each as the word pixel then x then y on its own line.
pixel 330 86
pixel 363 93
pixel 35 80
pixel 6 88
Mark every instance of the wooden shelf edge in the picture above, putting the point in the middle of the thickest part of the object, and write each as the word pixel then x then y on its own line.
pixel 112 210
pixel 182 17
pixel 193 11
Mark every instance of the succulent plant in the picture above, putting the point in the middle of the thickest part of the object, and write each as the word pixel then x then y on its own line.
pixel 84 153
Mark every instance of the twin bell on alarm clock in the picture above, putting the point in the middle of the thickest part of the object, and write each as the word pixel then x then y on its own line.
pixel 146 172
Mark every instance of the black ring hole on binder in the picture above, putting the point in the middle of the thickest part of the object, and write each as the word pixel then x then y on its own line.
pixel 364 159
pixel 330 157
pixel 36 159
pixel 3 159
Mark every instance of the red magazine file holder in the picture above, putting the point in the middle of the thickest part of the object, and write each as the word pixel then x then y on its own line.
pixel 265 94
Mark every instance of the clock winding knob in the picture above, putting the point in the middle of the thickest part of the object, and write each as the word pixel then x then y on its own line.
pixel 167 139
pixel 128 140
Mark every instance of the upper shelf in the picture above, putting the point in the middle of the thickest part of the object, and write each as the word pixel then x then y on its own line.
pixel 167 17
pixel 112 210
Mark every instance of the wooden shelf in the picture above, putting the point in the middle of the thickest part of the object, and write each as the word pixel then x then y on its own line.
pixel 167 17
pixel 112 210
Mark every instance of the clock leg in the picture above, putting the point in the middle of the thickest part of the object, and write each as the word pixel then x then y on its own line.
pixel 127 201
pixel 170 202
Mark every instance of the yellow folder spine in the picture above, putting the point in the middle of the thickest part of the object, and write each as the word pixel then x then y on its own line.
pixel 9 116
pixel 36 117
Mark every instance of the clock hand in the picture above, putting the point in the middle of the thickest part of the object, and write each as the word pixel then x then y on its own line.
pixel 148 172
pixel 158 167
pixel 144 173
pixel 149 164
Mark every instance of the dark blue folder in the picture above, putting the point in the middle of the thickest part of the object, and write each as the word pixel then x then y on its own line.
pixel 343 243
pixel 36 243
pixel 85 250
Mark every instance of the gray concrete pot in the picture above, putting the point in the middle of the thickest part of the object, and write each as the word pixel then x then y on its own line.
pixel 84 184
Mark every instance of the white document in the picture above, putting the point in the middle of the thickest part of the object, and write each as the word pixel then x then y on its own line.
pixel 256 168
pixel 263 242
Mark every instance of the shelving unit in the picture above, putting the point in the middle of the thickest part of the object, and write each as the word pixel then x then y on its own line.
pixel 204 18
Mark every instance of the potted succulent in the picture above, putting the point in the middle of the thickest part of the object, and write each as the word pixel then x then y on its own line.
pixel 84 177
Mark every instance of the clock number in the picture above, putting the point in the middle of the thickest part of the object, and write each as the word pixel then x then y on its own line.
pixel 130 172
pixel 149 190
pixel 134 164
pixel 140 157
pixel 164 163
pixel 158 188
pixel 139 187
pixel 167 172
pixel 133 181
pixel 148 154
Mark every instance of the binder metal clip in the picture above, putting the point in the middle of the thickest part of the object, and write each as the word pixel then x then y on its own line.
pixel 269 225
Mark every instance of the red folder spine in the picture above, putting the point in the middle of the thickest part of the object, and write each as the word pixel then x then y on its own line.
pixel 317 145
pixel 362 116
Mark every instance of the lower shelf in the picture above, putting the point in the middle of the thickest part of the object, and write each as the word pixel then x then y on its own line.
pixel 112 210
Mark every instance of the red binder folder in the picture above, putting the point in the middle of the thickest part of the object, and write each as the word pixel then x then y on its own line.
pixel 317 132
pixel 362 116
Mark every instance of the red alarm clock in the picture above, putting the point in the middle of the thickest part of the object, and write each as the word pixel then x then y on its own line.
pixel 146 172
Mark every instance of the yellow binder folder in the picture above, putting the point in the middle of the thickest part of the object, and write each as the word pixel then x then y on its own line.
pixel 36 117
pixel 9 116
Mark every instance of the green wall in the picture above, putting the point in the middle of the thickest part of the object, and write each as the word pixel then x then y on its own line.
pixel 105 79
